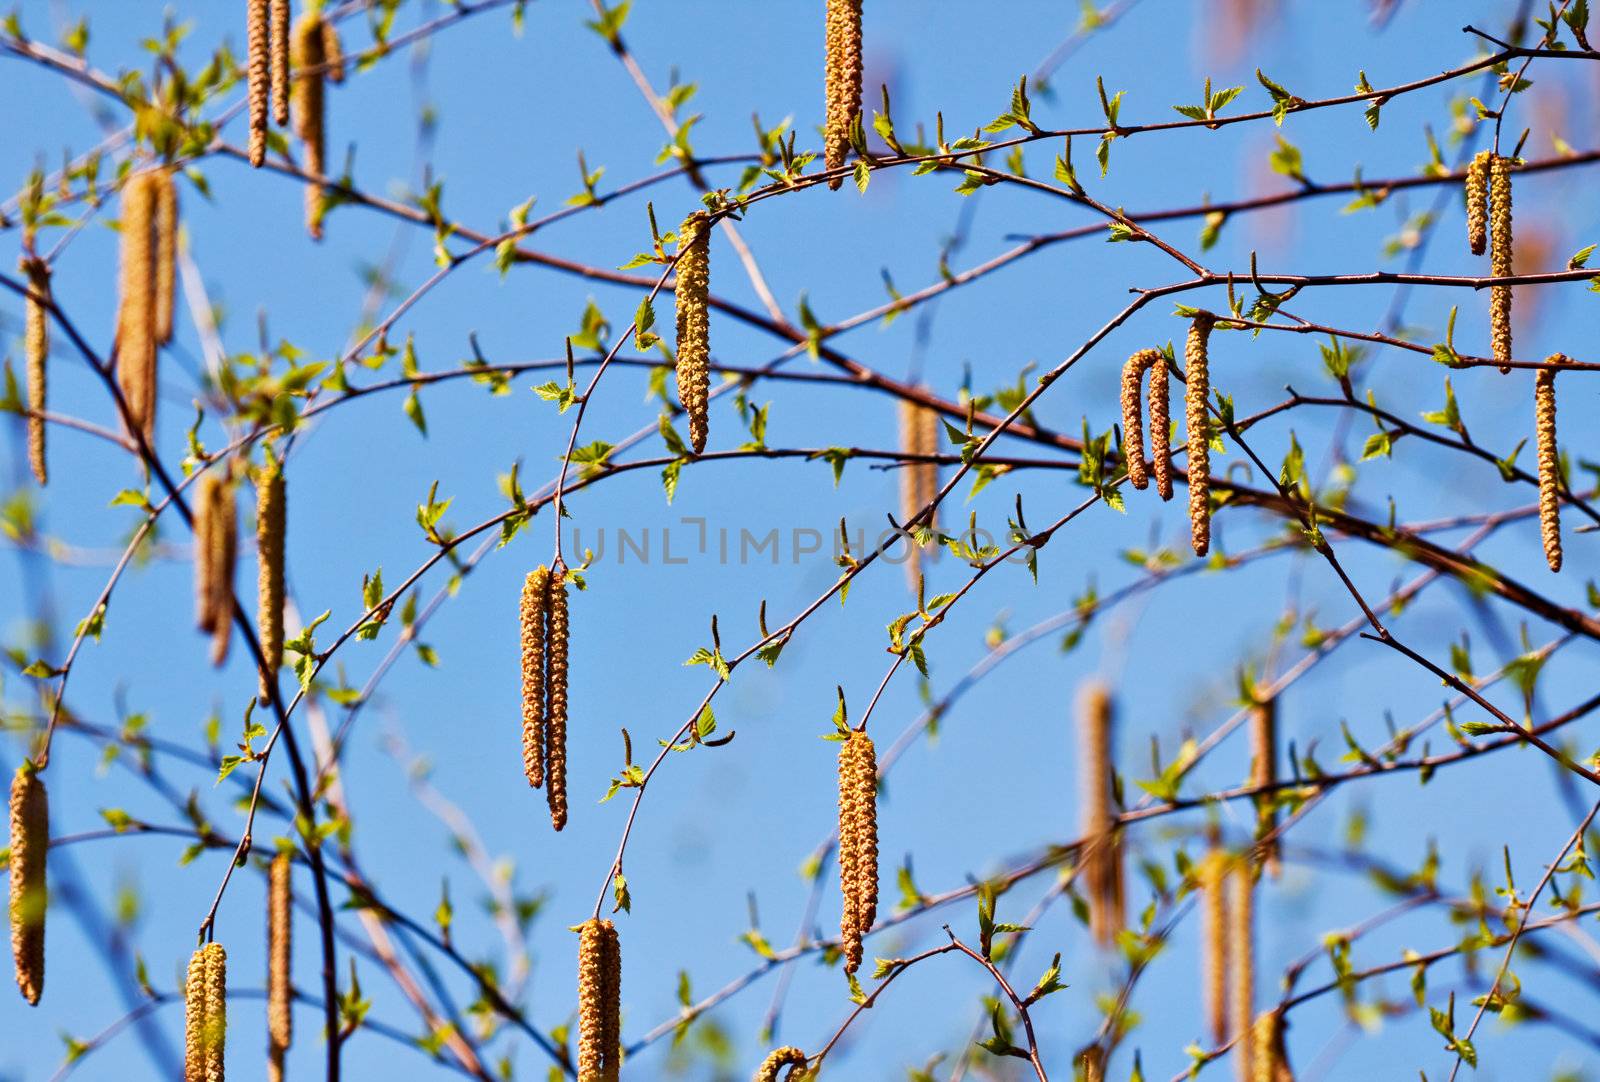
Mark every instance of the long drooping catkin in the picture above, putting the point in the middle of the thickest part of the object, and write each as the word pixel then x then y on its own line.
pixel 1264 772
pixel 1161 427
pixel 1197 391
pixel 1133 371
pixel 136 327
pixel 777 1060
pixel 166 253
pixel 694 325
pixel 1478 202
pixel 205 1014
pixel 1242 953
pixel 310 42
pixel 280 989
pixel 1272 1053
pixel 1212 876
pixel 271 498
pixel 841 81
pixel 258 44
pixel 278 17
pixel 1500 258
pixel 1101 855
pixel 599 1001
pixel 919 479
pixel 223 542
pixel 205 580
pixel 36 342
pixel 1544 413
pixel 30 839
pixel 556 703
pixel 535 609
pixel 858 844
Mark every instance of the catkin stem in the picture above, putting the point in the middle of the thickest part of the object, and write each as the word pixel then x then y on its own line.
pixel 694 325
pixel 842 82
pixel 1101 858
pixel 1197 391
pixel 1264 772
pixel 271 497
pixel 1544 405
pixel 777 1060
pixel 599 1002
pixel 280 989
pixel 37 345
pixel 535 603
pixel 30 839
pixel 1242 945
pixel 556 707
pixel 205 1015
pixel 1478 202
pixel 1133 371
pixel 1500 258
pixel 166 253
pixel 311 36
pixel 136 329
pixel 258 43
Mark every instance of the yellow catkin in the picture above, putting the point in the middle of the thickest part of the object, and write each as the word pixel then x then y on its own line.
pixel 278 17
pixel 332 52
pixel 1263 772
pixel 842 81
pixel 271 498
pixel 223 541
pixel 1161 427
pixel 207 495
pixel 30 839
pixel 1272 1054
pixel 1197 391
pixel 849 905
pixel 136 328
pixel 1091 1063
pixel 599 1001
pixel 858 844
pixel 1544 412
pixel 310 41
pixel 166 254
pixel 919 480
pixel 535 598
pixel 258 44
pixel 556 701
pixel 1478 202
pixel 280 937
pixel 36 342
pixel 1500 258
pixel 205 1015
pixel 1133 371
pixel 1101 857
pixel 1242 954
pixel 1213 881
pixel 777 1060
pixel 694 325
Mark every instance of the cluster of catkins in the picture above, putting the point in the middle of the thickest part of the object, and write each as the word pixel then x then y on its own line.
pixel 544 686
pixel 1101 856
pixel 205 1002
pixel 1197 389
pixel 599 1002
pixel 313 54
pixel 1226 882
pixel 858 843
pixel 147 283
pixel 841 81
pixel 919 477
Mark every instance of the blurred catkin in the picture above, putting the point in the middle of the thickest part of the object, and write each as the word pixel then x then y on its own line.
pixel 1101 857
pixel 1478 202
pixel 1197 391
pixel 1272 1055
pixel 36 337
pixel 271 497
pixel 280 989
pixel 166 253
pixel 919 480
pixel 136 342
pixel 534 613
pixel 1213 881
pixel 223 543
pixel 858 844
pixel 1242 954
pixel 694 324
pixel 205 1015
pixel 310 42
pixel 1264 772
pixel 1091 1063
pixel 1500 258
pixel 777 1060
pixel 1161 427
pixel 556 705
pixel 842 82
pixel 1133 371
pixel 278 32
pixel 258 42
pixel 1544 411
pixel 205 520
pixel 599 1002
pixel 30 839
pixel 332 52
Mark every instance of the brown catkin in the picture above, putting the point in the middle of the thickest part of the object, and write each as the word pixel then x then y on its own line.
pixel 858 843
pixel 166 252
pixel 280 989
pixel 205 520
pixel 777 1060
pixel 136 341
pixel 842 82
pixel 1544 413
pixel 205 1014
pixel 1101 858
pixel 919 480
pixel 535 607
pixel 556 703
pixel 332 52
pixel 599 1003
pixel 1133 371
pixel 30 839
pixel 1197 391
pixel 1213 880
pixel 278 32
pixel 1264 772
pixel 258 43
pixel 694 325
pixel 223 541
pixel 1478 202
pixel 310 40
pixel 271 497
pixel 1272 1055
pixel 1500 258
pixel 1242 954
pixel 36 342
pixel 1091 1063
pixel 849 904
pixel 1161 427
pixel 611 1031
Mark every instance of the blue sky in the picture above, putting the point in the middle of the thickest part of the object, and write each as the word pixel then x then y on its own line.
pixel 722 826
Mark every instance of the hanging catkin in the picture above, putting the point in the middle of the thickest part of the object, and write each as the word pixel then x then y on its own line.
pixel 535 607
pixel 1264 772
pixel 1101 852
pixel 206 500
pixel 1212 876
pixel 1478 202
pixel 1544 413
pixel 271 497
pixel 1272 1054
pixel 30 839
pixel 280 990
pixel 1500 261
pixel 842 82
pixel 310 42
pixel 37 344
pixel 556 705
pixel 1197 391
pixel 919 480
pixel 1161 427
pixel 166 253
pixel 136 328
pixel 205 1014
pixel 1133 371
pixel 332 52
pixel 858 844
pixel 1091 1061
pixel 694 324
pixel 777 1060
pixel 1242 953
pixel 278 17
pixel 599 1001
pixel 258 43
pixel 223 543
